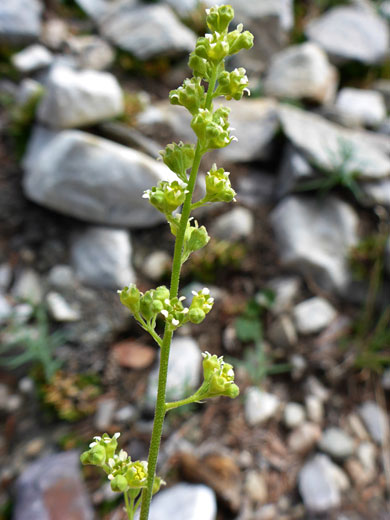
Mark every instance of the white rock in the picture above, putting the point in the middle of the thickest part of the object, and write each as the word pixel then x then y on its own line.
pixel 236 224
pixel 383 87
pixel 184 8
pixel 313 386
pixel 313 315
pixel 126 414
pixel 28 90
pixel 60 309
pixel 314 408
pixel 97 9
pixel 183 371
pixel 336 443
pixel 299 365
pixel 301 72
pixel 282 9
pixel 156 264
pixel 28 287
pixel 376 193
pixel 184 501
pixel 91 52
pixel 323 143
pixel 286 289
pixel 304 437
pixel 78 98
pixel 20 20
pixel 361 107
pixel 111 186
pixel 366 453
pixel 293 415
pixel 314 237
pixel 104 414
pixel 350 33
pixel 55 32
pixel 260 406
pixel 102 257
pixel 375 420
pixel 256 487
pixel 32 58
pixel 255 123
pixel 317 485
pixel 5 309
pixel 147 31
pixel 62 277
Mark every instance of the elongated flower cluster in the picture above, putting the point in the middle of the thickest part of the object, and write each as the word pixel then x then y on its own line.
pixel 218 377
pixel 167 196
pixel 123 473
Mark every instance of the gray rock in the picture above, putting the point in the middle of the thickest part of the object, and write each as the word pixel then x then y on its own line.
pixel 183 371
pixel 324 143
pixel 5 309
pixel 32 58
pixel 28 90
pixel 256 188
pixel 383 87
pixel 97 9
pixel 104 414
pixel 313 386
pixel 62 277
pixel 78 98
pixel 110 189
pixel 156 264
pixel 286 289
pixel 255 124
pixel 252 9
pixel 359 107
pixel 317 485
pixel 91 52
pixel 301 72
pixel 28 286
pixel 376 421
pixel 236 224
pixel 350 33
pixel 260 406
pixel 5 276
pixel 147 31
pixel 376 193
pixel 295 170
pixel 52 487
pixel 163 116
pixel 293 415
pixel 314 237
pixel 337 443
pixel 384 128
pixel 102 257
pixel 55 33
pixel 126 414
pixel 282 332
pixel 184 8
pixel 20 21
pixel 184 501
pixel 60 309
pixel 313 315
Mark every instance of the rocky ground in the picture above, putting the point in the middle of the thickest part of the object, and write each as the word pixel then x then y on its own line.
pixel 299 267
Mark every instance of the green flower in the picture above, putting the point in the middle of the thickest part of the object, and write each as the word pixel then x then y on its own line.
pixel 137 474
pixel 233 84
pixel 179 158
pixel 190 95
pixel 218 187
pixel 167 196
pixel 101 450
pixel 219 18
pixel 130 297
pixel 218 377
pixel 212 129
pixel 201 305
pixel 239 40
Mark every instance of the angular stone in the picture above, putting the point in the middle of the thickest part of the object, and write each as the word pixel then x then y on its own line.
pixel 183 371
pixel 359 107
pixel 337 443
pixel 314 237
pixel 255 123
pixel 20 21
pixel 351 33
pixel 323 144
pixel 52 488
pixel 102 257
pixel 301 72
pixel 147 31
pixel 236 224
pixel 110 189
pixel 317 485
pixel 32 58
pixel 189 501
pixel 313 315
pixel 260 406
pixel 79 98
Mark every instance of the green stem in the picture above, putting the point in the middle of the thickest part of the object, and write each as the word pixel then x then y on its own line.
pixel 129 509
pixel 160 410
pixel 196 397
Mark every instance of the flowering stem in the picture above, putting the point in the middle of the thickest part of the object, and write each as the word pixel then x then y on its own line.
pixel 129 509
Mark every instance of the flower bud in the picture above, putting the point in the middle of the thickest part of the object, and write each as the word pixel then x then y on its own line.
pixel 210 364
pixel 239 40
pixel 199 66
pixel 197 238
pixel 196 315
pixel 146 305
pixel 167 196
pixel 130 298
pixel 218 187
pixel 219 18
pixel 218 377
pixel 190 95
pixel 233 84
pixel 212 129
pixel 119 484
pixel 179 158
pixel 161 293
pixel 157 483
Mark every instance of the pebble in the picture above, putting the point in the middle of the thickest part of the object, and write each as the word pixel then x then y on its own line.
pixel 313 386
pixel 34 447
pixel 366 453
pixel 133 354
pixel 375 420
pixel 256 487
pixel 282 332
pixel 156 265
pixel 313 315
pixel 28 287
pixel 236 224
pixel 184 501
pixel 317 485
pixel 60 309
pixel 126 414
pixel 62 277
pixel 361 107
pixel 26 385
pixel 336 443
pixel 294 415
pixel 32 58
pixel 286 289
pixel 104 414
pixel 260 406
pixel 304 438
pixel 299 365
pixel 314 408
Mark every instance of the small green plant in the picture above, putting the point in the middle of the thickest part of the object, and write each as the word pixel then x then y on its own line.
pixel 137 480
pixel 34 344
pixel 342 172
pixel 249 329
